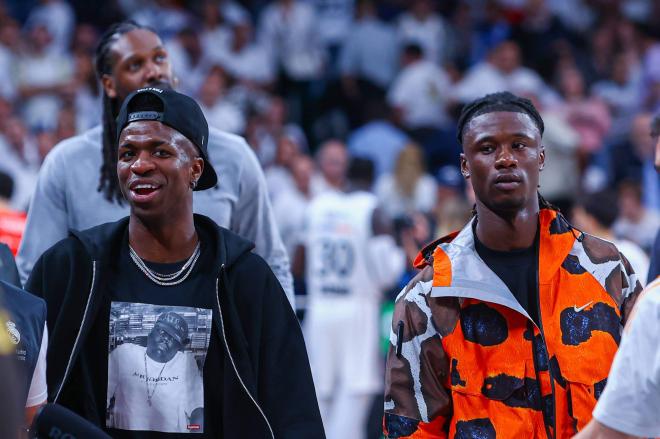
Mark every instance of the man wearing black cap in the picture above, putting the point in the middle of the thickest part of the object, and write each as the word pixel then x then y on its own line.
pixel 128 57
pixel 162 255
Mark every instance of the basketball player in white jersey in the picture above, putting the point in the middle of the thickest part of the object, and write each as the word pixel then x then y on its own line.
pixel 349 260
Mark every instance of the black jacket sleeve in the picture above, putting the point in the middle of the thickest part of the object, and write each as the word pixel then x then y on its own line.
pixel 61 276
pixel 284 379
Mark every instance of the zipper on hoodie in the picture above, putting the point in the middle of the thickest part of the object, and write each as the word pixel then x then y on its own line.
pixel 75 344
pixel 224 339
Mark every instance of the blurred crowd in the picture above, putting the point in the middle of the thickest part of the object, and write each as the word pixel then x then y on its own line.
pixel 311 84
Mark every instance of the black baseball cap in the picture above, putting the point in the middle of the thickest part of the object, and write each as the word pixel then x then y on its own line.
pixel 177 111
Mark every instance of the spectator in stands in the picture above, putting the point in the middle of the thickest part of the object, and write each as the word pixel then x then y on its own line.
pixel 166 17
pixel 46 139
pixel 633 159
pixel 335 19
pixel 451 209
pixel 419 94
pixel 537 33
pixel 246 60
pixel 378 140
pixel 42 77
pixel 215 32
pixel 66 126
pixel 291 205
pixel 577 15
pixel 490 28
pixel 59 19
pixel 409 188
pixel 332 161
pixel 87 94
pixel 635 221
pixel 220 112
pixel 270 125
pixel 188 59
pixel 589 116
pixel 20 159
pixel 9 51
pixel 650 71
pixel 595 214
pixel 501 70
pixel 561 176
pixel 279 178
pixel 367 73
pixel 621 92
pixel 12 222
pixel 84 38
pixel 288 31
pixel 654 269
pixel 422 25
pixel 288 28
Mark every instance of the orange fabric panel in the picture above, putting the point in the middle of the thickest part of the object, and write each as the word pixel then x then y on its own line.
pixel 431 430
pixel 420 260
pixel 583 356
pixel 582 362
pixel 441 268
pixel 476 368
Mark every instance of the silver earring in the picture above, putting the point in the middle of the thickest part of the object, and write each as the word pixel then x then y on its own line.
pixel 193 184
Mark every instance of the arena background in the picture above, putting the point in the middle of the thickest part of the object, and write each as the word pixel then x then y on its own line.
pixel 383 80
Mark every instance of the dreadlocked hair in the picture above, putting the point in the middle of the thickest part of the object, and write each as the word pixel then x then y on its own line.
pixel 543 204
pixel 108 183
pixel 501 101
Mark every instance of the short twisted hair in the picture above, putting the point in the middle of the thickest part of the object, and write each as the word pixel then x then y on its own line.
pixel 501 101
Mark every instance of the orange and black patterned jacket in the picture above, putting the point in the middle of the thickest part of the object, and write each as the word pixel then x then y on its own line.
pixel 465 359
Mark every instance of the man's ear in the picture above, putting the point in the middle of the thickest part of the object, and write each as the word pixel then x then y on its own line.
pixel 542 158
pixel 109 86
pixel 197 169
pixel 465 169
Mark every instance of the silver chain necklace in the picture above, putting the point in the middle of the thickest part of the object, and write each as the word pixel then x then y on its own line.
pixel 167 280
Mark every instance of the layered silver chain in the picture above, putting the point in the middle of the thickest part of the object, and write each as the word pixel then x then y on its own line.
pixel 167 280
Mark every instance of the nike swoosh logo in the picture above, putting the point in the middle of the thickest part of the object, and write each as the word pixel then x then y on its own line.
pixel 576 309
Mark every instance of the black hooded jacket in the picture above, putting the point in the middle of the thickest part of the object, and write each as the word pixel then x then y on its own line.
pixel 265 389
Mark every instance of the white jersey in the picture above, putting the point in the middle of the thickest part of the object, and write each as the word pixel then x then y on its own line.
pixel 339 230
pixel 347 268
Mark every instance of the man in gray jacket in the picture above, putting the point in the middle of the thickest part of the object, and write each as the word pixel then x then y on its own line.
pixel 77 187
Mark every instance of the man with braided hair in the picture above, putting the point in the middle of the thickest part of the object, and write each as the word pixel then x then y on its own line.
pixel 78 189
pixel 510 328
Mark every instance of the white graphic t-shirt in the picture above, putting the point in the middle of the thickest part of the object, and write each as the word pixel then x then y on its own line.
pixel 155 363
